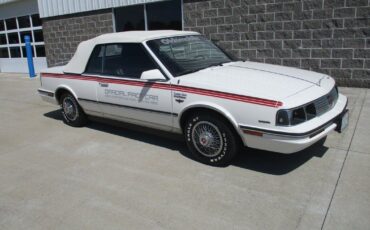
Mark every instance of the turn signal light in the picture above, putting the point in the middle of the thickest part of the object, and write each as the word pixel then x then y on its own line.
pixel 254 133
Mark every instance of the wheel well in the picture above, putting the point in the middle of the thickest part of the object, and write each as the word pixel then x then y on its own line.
pixel 185 116
pixel 59 93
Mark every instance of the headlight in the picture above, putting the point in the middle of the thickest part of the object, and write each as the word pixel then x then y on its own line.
pixel 298 116
pixel 295 116
pixel 283 118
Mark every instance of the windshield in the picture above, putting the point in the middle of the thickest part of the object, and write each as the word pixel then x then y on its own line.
pixel 186 54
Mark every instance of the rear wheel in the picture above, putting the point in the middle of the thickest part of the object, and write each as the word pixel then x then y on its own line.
pixel 211 140
pixel 72 112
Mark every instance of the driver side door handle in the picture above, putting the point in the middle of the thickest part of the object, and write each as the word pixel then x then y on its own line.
pixel 103 84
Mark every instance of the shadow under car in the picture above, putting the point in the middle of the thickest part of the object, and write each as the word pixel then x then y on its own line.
pixel 252 159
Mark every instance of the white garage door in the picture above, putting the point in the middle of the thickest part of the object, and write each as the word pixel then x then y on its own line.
pixel 12 47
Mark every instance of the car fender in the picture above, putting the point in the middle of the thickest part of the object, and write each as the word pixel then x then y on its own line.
pixel 65 87
pixel 212 106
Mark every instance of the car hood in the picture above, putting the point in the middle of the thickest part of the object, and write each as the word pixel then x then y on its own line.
pixel 254 79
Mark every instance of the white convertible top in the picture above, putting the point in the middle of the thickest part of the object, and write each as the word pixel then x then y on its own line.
pixel 79 60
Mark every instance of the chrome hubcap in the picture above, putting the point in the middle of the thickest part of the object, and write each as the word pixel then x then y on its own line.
pixel 207 139
pixel 69 109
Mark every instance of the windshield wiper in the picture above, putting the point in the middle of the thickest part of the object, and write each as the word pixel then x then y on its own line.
pixel 196 70
pixel 217 64
pixel 190 71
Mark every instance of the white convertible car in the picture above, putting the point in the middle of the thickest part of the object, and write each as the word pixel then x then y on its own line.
pixel 180 82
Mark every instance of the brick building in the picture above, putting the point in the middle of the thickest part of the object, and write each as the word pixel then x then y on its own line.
pixel 328 36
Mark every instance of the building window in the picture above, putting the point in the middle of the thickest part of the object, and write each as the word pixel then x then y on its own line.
pixel 36 21
pixel 13 38
pixel 164 15
pixel 15 52
pixel 38 36
pixel 2 27
pixel 154 16
pixel 4 53
pixel 130 18
pixel 11 24
pixel 2 39
pixel 25 52
pixel 24 22
pixel 12 33
pixel 24 33
pixel 40 51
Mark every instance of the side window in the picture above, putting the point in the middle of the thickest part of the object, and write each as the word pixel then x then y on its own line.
pixel 113 50
pixel 112 59
pixel 95 64
pixel 127 60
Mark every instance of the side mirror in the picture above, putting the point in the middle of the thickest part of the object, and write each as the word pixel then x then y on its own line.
pixel 152 75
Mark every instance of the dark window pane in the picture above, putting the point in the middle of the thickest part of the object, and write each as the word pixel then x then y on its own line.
pixel 95 64
pixel 113 50
pixel 4 53
pixel 129 18
pixel 2 39
pixel 2 27
pixel 13 38
pixel 24 33
pixel 36 21
pixel 113 60
pixel 11 24
pixel 39 37
pixel 164 15
pixel 25 53
pixel 40 51
pixel 131 61
pixel 15 52
pixel 24 22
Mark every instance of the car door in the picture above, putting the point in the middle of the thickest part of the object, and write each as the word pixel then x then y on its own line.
pixel 124 96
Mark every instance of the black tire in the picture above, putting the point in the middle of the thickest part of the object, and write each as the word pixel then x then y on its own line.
pixel 224 150
pixel 77 118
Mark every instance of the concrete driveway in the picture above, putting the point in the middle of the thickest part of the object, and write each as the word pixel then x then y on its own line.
pixel 105 177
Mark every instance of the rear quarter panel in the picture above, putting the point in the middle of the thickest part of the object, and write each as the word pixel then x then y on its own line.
pixel 78 85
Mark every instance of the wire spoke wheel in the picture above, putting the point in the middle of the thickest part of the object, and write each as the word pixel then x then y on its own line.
pixel 70 109
pixel 207 139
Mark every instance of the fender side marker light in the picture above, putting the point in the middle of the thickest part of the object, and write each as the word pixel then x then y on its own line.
pixel 254 133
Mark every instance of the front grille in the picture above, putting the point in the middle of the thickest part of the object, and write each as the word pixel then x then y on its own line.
pixel 327 102
pixel 321 105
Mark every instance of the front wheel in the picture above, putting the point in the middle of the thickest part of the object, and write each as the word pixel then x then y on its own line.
pixel 72 112
pixel 211 140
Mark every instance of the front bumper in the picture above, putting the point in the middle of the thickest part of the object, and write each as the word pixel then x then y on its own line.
pixel 291 141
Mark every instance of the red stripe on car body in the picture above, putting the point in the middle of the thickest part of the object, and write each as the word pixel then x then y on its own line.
pixel 185 89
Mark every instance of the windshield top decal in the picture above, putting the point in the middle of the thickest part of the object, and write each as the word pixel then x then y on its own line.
pixel 168 41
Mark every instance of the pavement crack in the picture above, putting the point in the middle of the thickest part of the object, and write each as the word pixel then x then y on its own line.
pixel 344 161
